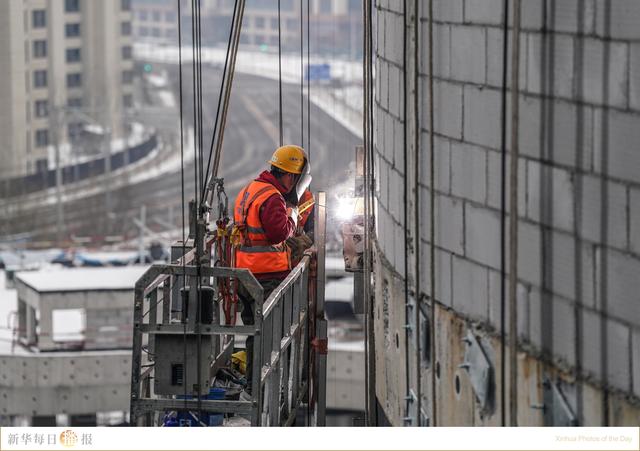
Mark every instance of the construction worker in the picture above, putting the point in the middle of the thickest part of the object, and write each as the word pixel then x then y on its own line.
pixel 265 223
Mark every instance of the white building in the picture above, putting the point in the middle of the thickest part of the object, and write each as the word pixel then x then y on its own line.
pixel 60 55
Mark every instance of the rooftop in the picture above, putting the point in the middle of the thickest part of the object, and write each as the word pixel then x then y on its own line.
pixel 82 279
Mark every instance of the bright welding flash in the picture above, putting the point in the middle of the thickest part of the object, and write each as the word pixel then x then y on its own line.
pixel 345 208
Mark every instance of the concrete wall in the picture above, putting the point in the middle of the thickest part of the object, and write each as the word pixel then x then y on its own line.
pixel 578 208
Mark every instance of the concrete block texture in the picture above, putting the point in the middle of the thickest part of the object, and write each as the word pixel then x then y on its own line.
pixel 447 108
pixel 468 54
pixel 398 146
pixel 441 49
pixel 621 278
pixel 618 355
pixel 489 12
pixel 600 56
pixel 634 76
pixel 550 196
pixel 482 113
pixel 446 11
pixel 495 307
pixel 449 221
pixel 396 196
pixel 562 325
pixel 443 275
pixel 614 151
pixel 470 289
pixel 396 81
pixel 494 182
pixel 619 19
pixel 530 253
pixel 468 172
pixel 608 217
pixel 635 356
pixel 495 59
pixel 571 16
pixel 482 236
pixel 634 221
pixel 550 64
pixel 442 156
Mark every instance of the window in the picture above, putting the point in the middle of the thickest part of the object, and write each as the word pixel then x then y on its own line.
pixel 258 39
pixel 259 22
pixel 126 52
pixel 38 18
pixel 125 5
pixel 274 23
pixel 143 15
pixel 125 28
pixel 170 33
pixel 42 138
pixel 40 49
pixel 74 129
pixel 169 17
pixel 42 108
pixel 74 102
pixel 292 24
pixel 40 79
pixel 72 6
pixel 72 30
pixel 156 32
pixel 157 17
pixel 73 55
pixel 143 31
pixel 74 80
pixel 127 76
pixel 127 100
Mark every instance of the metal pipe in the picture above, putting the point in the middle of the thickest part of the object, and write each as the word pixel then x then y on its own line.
pixel 513 218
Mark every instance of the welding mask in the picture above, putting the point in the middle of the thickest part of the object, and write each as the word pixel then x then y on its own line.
pixel 303 182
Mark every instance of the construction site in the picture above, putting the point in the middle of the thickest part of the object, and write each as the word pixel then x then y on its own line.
pixel 320 213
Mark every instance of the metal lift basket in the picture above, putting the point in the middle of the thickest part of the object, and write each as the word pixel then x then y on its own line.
pixel 289 345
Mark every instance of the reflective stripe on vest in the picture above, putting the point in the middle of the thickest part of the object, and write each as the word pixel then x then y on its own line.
pixel 257 254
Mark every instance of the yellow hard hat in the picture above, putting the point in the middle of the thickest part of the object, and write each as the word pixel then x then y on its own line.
pixel 289 158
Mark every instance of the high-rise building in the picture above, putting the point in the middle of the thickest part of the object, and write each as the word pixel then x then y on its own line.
pixel 65 63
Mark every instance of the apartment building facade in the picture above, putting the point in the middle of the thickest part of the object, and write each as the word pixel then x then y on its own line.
pixel 65 64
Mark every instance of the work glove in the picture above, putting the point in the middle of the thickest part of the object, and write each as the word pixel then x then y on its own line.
pixel 292 212
pixel 298 244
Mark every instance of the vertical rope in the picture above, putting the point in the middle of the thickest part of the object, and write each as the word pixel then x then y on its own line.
pixel 513 218
pixel 280 74
pixel 182 190
pixel 432 226
pixel 503 214
pixel 301 74
pixel 416 213
pixel 308 79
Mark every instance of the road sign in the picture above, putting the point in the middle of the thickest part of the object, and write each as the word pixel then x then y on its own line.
pixel 318 72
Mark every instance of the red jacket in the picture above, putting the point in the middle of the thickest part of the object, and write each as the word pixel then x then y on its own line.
pixel 277 225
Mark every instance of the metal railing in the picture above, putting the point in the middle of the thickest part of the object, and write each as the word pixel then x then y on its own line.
pixel 288 371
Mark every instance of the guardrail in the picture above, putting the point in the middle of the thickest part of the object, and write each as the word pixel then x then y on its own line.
pixel 289 338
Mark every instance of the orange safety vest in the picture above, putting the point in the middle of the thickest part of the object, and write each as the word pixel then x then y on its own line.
pixel 256 253
pixel 304 216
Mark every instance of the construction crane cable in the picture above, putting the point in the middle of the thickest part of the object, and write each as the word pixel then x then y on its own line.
pixel 280 74
pixel 503 212
pixel 222 84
